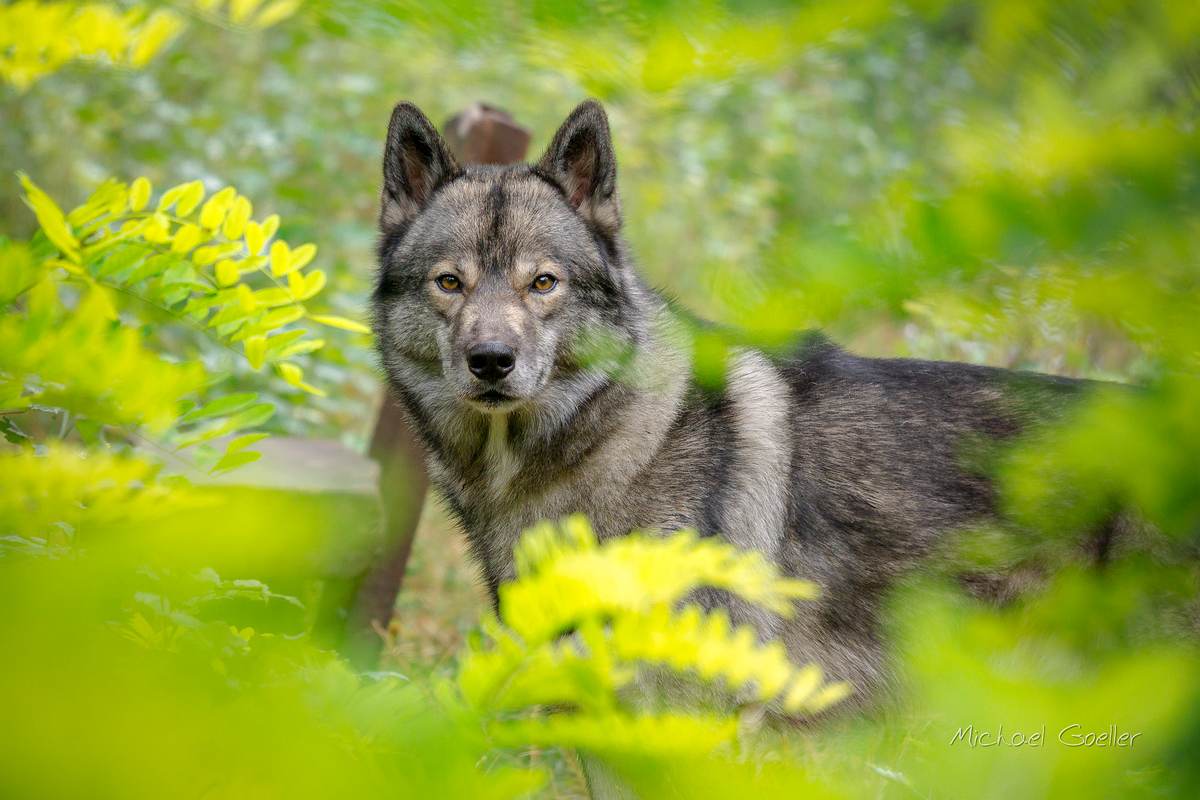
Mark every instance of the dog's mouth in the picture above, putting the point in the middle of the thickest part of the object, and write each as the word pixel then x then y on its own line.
pixel 494 400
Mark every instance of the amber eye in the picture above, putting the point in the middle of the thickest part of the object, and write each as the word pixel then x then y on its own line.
pixel 448 283
pixel 544 283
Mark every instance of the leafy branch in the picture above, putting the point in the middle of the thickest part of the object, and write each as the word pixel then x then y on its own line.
pixel 202 261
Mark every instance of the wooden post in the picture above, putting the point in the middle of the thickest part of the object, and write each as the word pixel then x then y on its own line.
pixel 478 135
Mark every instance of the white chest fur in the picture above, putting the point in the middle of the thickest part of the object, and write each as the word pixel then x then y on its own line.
pixel 501 460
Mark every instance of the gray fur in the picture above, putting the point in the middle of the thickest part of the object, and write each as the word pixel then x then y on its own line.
pixel 843 470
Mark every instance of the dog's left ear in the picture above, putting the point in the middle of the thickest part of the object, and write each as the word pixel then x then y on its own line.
pixel 582 162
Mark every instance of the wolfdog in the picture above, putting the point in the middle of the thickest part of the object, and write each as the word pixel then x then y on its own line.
pixel 495 285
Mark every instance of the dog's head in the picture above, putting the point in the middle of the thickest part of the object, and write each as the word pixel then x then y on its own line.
pixel 494 279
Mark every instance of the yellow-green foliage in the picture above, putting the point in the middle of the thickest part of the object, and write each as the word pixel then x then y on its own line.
pixel 37 38
pixel 49 355
pixel 199 256
pixel 47 498
pixel 147 647
pixel 622 601
pixel 145 640
pixel 143 665
pixel 629 575
pixel 202 262
pixel 1003 181
pixel 250 13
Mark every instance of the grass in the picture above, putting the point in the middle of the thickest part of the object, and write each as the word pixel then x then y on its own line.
pixel 442 600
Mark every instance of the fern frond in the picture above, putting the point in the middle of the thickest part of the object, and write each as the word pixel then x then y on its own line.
pixel 566 576
pixel 203 263
pixel 578 672
pixel 693 641
pixel 584 617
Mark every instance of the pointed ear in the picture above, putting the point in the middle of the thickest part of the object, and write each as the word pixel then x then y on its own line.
pixel 582 162
pixel 415 162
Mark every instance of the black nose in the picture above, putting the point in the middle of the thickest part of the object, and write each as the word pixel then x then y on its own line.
pixel 491 361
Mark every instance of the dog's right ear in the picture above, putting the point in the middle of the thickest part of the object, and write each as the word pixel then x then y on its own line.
pixel 415 162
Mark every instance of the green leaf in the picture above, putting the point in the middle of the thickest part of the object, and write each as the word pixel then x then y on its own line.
pixel 212 215
pixel 198 307
pixel 171 196
pixel 255 238
pixel 121 258
pixel 270 226
pixel 235 221
pixel 189 198
pixel 170 295
pixel 256 350
pixel 294 375
pixel 139 194
pixel 276 344
pixel 187 237
pixel 234 312
pixel 50 218
pixel 219 407
pixel 281 259
pixel 251 327
pixel 12 433
pixel 108 199
pixel 246 418
pixel 302 255
pixel 231 461
pixel 282 316
pixel 181 272
pixel 227 272
pixel 273 297
pixel 245 297
pixel 203 256
pixel 340 322
pixel 302 347
pixel 251 264
pixel 242 442
pixel 314 282
pixel 152 267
